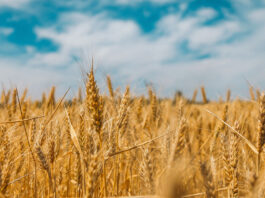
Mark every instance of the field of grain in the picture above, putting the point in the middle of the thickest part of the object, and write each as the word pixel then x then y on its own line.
pixel 121 145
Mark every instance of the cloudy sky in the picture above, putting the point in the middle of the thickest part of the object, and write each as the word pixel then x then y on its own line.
pixel 173 44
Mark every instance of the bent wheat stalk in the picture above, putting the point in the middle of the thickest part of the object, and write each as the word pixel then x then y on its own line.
pixel 251 146
pixel 78 147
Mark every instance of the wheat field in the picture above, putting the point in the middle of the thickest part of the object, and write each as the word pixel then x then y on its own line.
pixel 121 145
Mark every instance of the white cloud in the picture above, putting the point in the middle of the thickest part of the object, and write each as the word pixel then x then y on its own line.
pixel 100 3
pixel 37 79
pixel 257 16
pixel 6 31
pixel 13 3
pixel 135 2
pixel 205 36
pixel 206 13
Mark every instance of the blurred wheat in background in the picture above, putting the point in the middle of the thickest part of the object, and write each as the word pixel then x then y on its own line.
pixel 124 145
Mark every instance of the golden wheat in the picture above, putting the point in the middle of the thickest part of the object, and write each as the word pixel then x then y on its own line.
pixel 126 145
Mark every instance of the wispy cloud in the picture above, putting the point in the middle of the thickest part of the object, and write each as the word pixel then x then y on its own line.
pixel 13 4
pixel 128 2
pixel 5 31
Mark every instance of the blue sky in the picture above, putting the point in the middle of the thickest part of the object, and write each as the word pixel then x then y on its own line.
pixel 175 45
